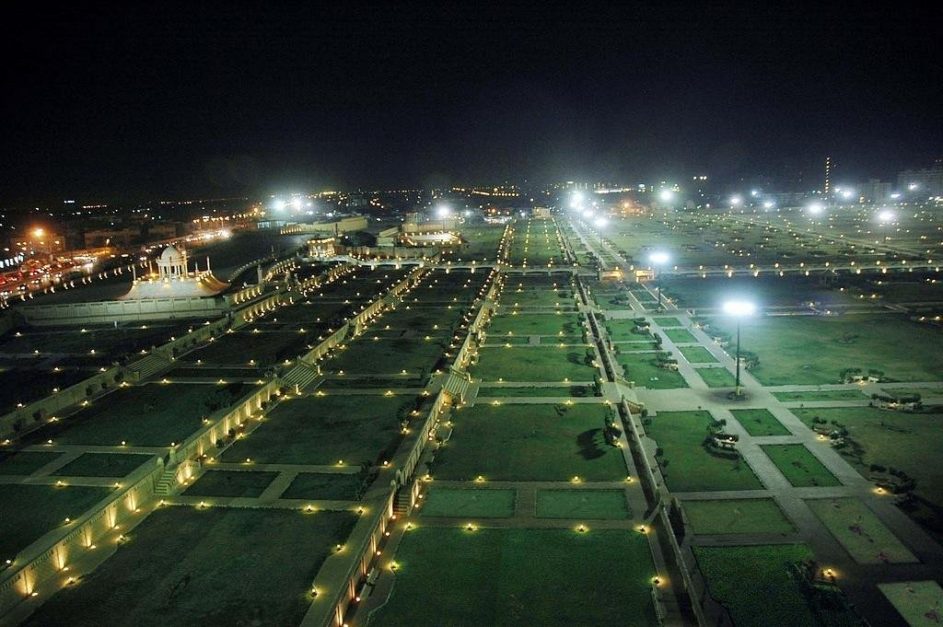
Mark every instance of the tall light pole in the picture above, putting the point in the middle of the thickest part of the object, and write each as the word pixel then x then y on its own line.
pixel 658 259
pixel 886 217
pixel 739 309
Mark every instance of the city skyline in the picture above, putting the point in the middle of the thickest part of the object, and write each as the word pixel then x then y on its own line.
pixel 218 100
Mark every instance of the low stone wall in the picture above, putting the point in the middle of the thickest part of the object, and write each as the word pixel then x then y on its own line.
pixel 107 312
pixel 42 567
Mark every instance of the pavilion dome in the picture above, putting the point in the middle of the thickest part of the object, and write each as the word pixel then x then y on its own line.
pixel 171 255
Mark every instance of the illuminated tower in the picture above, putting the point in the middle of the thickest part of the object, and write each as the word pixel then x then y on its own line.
pixel 828 174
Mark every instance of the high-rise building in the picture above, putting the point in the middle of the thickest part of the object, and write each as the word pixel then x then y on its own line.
pixel 828 174
pixel 926 181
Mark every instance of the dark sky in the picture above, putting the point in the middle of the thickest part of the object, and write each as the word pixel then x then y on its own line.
pixel 216 99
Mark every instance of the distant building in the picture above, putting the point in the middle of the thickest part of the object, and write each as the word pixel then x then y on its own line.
pixel 876 191
pixel 929 181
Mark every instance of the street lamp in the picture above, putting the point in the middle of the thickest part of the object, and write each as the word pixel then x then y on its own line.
pixel 659 259
pixel 739 309
pixel 886 216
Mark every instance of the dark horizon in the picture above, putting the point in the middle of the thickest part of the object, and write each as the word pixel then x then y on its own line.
pixel 215 101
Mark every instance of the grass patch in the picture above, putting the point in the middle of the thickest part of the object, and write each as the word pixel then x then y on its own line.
pixel 468 503
pixel 231 483
pixel 717 377
pixel 800 467
pixel 680 336
pixel 857 529
pixel 667 321
pixel 521 576
pixel 759 422
pixel 645 371
pixel 149 415
pixel 815 349
pixel 821 395
pixel 582 504
pixel 25 462
pixel 575 391
pixel 324 486
pixel 255 565
pixel 697 354
pixel 534 363
pixel 687 464
pixel 764 594
pixel 103 465
pixel 356 429
pixel 29 511
pixel 530 443
pixel 737 516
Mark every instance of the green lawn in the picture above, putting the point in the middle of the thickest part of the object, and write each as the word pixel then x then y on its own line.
pixel 680 336
pixel 687 464
pixel 643 369
pixel 149 415
pixel 753 583
pixel 800 467
pixel 821 395
pixel 500 392
pixel 914 600
pixel 505 577
pixel 857 529
pixel 231 483
pixel 103 465
pixel 582 504
pixel 909 442
pixel 324 430
pixel 530 443
pixel 468 503
pixel 533 363
pixel 534 324
pixel 717 377
pixel 324 486
pixel 815 349
pixel 211 567
pixel 25 462
pixel 736 517
pixel 667 321
pixel 697 354
pixel 29 511
pixel 759 422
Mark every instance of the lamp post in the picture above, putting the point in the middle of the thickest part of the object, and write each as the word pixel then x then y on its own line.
pixel 739 309
pixel 658 259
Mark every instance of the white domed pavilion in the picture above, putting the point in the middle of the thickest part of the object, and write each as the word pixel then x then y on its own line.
pixel 173 279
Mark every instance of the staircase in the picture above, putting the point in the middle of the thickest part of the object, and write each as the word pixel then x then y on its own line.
pixel 401 505
pixel 150 365
pixel 301 375
pixel 167 483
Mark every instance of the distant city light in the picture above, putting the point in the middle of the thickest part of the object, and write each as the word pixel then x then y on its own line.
pixel 886 215
pixel 768 204
pixel 895 195
pixel 913 186
pixel 600 222
pixel 739 308
pixel 815 208
pixel 847 194
pixel 297 203
pixel 735 201
pixel 279 205
pixel 666 195
pixel 754 192
pixel 659 258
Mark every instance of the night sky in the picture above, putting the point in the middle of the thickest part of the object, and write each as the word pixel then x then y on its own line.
pixel 218 100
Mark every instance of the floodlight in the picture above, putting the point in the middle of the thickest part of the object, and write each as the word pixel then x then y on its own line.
pixel 659 258
pixel 739 308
